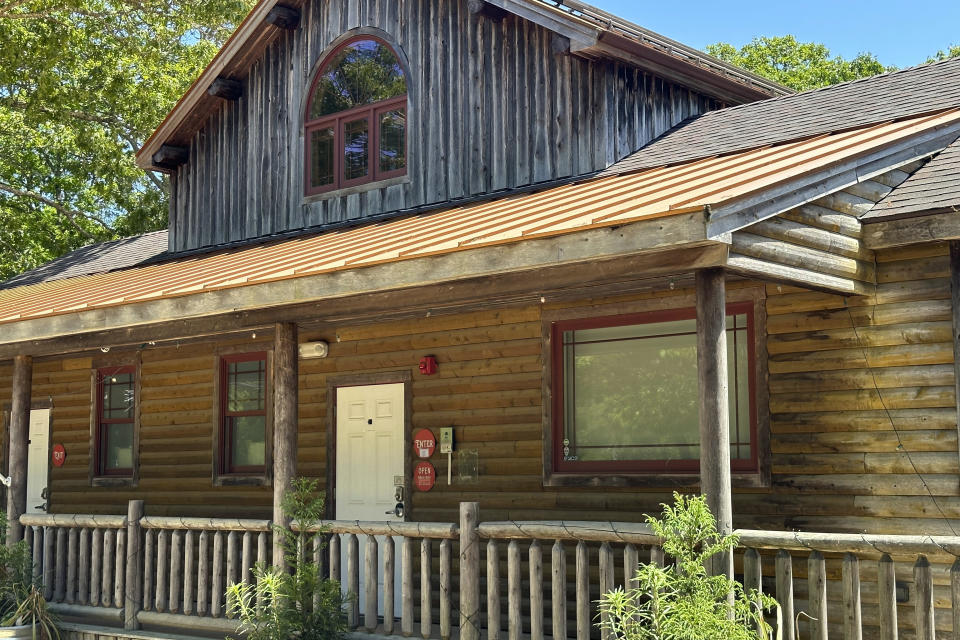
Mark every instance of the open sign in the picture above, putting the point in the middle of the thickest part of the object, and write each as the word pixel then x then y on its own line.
pixel 424 443
pixel 424 476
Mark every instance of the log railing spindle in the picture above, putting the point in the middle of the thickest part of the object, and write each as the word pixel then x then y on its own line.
pixel 72 561
pixel 60 591
pixel 176 571
pixel 535 564
pixel 493 590
pixel 163 571
pixel 406 585
pixel 514 622
pixel 426 597
pixel 353 581
pixel 887 586
pixel 558 591
pixel 583 592
pixel 96 566
pixel 216 595
pixel 784 570
pixel 189 573
pixel 389 583
pixel 203 573
pixel 817 595
pixel 852 627
pixel 370 568
pixel 923 583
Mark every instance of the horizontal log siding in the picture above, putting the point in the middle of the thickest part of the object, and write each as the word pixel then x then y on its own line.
pixel 491 108
pixel 862 391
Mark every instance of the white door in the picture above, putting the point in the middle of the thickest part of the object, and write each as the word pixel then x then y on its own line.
pixel 370 426
pixel 38 459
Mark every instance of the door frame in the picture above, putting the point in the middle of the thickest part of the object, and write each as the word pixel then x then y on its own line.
pixel 405 378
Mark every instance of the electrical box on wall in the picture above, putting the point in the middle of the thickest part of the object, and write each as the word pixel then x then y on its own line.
pixel 446 440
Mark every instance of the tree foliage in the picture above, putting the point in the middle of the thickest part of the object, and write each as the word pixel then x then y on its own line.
pixel 681 601
pixel 83 83
pixel 798 65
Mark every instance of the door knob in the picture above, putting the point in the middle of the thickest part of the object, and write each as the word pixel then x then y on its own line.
pixel 42 507
pixel 397 511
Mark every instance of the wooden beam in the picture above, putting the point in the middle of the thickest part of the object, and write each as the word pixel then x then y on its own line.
pixel 285 399
pixel 487 10
pixel 650 248
pixel 226 88
pixel 17 463
pixel 170 157
pixel 902 232
pixel 715 482
pixel 284 17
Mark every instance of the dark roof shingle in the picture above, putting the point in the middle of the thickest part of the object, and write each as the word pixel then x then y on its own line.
pixel 933 187
pixel 96 258
pixel 890 96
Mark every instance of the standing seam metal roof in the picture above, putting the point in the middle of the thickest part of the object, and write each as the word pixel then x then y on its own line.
pixel 606 202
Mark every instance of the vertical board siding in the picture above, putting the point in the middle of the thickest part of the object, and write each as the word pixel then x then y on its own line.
pixel 491 108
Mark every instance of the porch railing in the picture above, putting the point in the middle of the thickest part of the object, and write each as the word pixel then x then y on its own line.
pixel 497 580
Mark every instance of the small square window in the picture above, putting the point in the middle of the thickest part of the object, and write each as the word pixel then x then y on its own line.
pixel 626 393
pixel 243 414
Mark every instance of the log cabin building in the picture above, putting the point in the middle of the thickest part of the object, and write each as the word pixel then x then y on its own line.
pixel 607 265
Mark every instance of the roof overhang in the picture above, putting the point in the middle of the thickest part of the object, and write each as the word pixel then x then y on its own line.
pixel 639 250
pixel 588 38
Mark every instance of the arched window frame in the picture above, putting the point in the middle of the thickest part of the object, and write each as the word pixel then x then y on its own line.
pixel 340 118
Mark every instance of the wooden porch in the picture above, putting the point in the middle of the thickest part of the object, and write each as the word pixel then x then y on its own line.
pixel 476 579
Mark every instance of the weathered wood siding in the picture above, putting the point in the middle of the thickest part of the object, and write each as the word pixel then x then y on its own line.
pixel 491 108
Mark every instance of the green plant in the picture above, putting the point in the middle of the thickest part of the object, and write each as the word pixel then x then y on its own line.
pixel 681 601
pixel 297 602
pixel 21 597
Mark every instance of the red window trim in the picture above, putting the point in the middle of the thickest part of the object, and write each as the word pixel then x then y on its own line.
pixel 101 434
pixel 337 122
pixel 639 467
pixel 226 444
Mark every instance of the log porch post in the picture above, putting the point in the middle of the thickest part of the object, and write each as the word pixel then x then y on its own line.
pixel 285 398
pixel 19 429
pixel 714 409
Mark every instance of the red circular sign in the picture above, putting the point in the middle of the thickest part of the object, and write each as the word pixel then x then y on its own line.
pixel 424 443
pixel 59 455
pixel 424 476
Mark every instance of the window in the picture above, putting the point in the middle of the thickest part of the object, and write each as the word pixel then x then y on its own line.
pixel 625 393
pixel 356 120
pixel 115 428
pixel 243 414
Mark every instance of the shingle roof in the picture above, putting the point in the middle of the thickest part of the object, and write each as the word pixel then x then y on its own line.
pixel 96 258
pixel 933 187
pixel 923 89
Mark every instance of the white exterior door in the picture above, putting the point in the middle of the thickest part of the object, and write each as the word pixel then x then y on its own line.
pixel 38 460
pixel 370 443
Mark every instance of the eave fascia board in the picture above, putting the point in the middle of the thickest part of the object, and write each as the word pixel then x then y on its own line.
pixel 580 32
pixel 742 212
pixel 681 231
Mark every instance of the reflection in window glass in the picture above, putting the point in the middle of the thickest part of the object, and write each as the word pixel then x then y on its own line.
pixel 393 146
pixel 363 72
pixel 355 149
pixel 118 452
pixel 248 441
pixel 321 157
pixel 631 392
pixel 117 395
pixel 246 384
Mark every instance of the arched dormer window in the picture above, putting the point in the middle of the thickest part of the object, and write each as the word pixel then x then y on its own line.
pixel 356 119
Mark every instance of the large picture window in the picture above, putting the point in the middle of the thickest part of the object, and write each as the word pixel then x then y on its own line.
pixel 114 435
pixel 243 411
pixel 356 121
pixel 626 392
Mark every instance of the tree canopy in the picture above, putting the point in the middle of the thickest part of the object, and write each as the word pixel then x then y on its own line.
pixel 805 65
pixel 82 84
pixel 798 65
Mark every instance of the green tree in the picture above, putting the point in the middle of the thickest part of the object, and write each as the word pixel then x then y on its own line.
pixel 950 52
pixel 798 65
pixel 82 85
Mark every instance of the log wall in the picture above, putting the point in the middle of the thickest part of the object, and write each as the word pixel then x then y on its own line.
pixel 844 371
pixel 491 108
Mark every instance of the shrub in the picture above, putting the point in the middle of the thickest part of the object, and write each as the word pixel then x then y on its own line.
pixel 681 601
pixel 21 598
pixel 298 602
